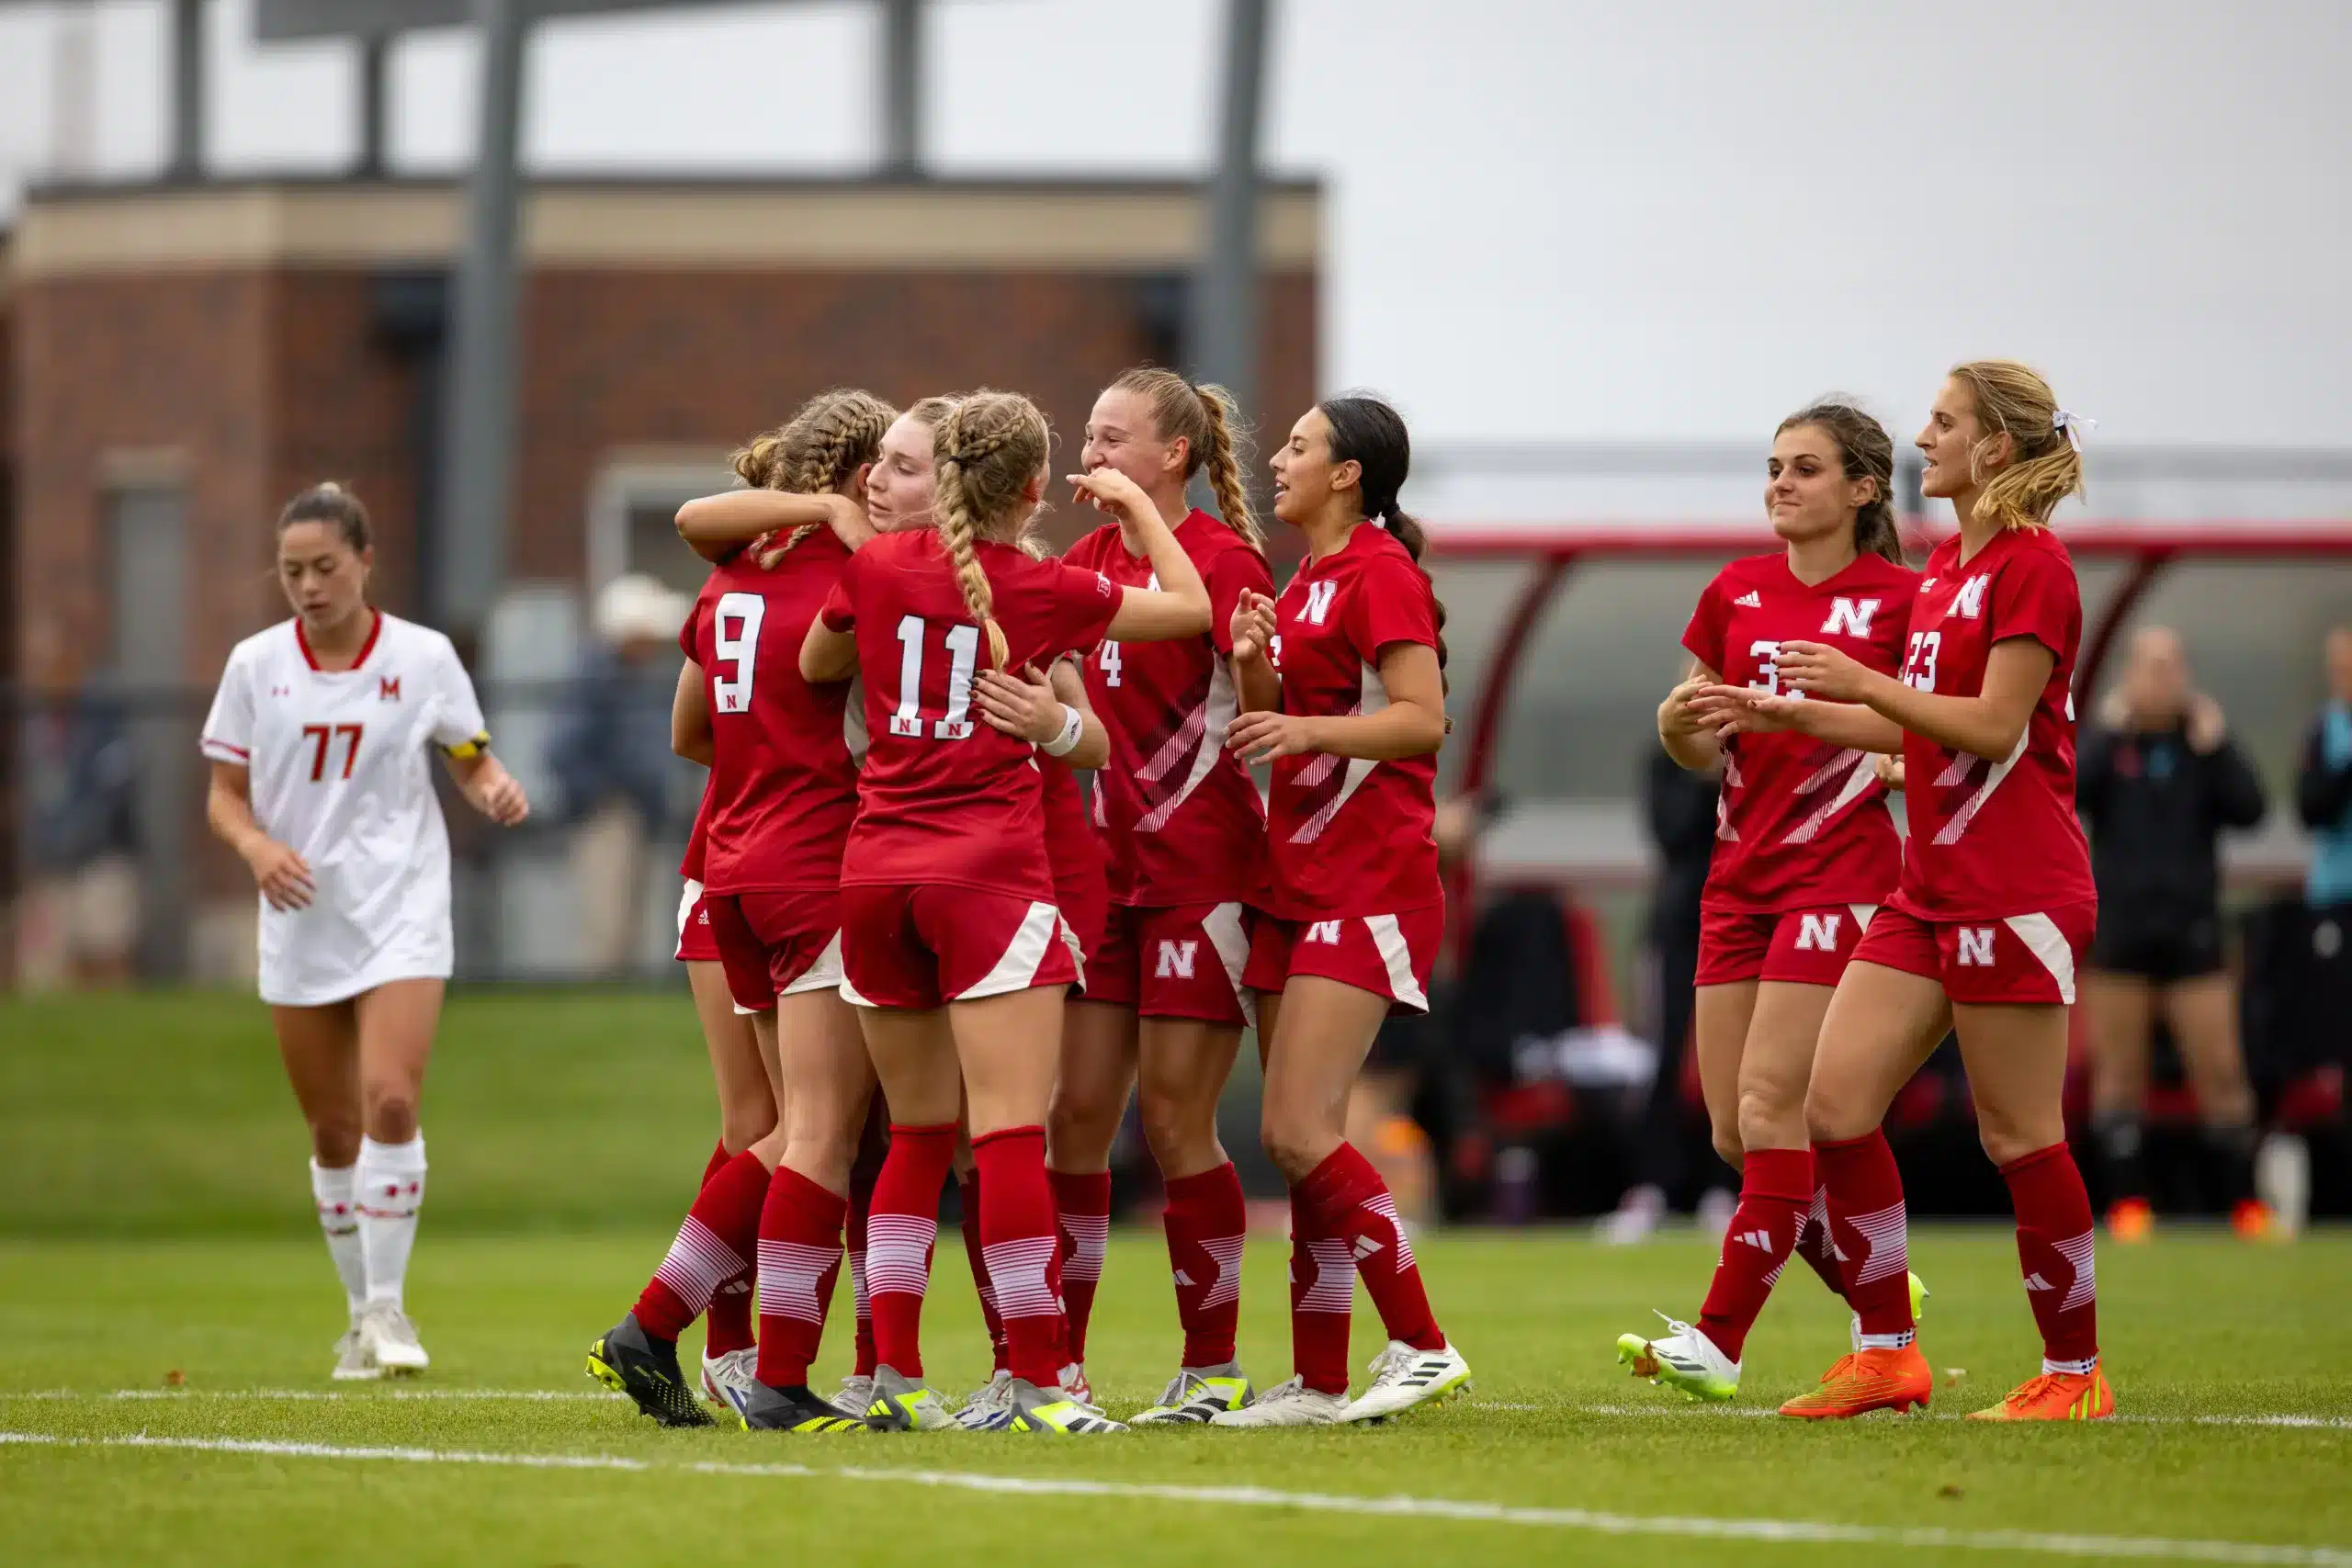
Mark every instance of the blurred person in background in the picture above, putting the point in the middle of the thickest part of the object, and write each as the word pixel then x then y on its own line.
pixel 613 759
pixel 80 920
pixel 1678 809
pixel 2159 781
pixel 2324 801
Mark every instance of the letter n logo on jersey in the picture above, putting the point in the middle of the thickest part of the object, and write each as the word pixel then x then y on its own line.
pixel 388 688
pixel 1969 603
pixel 1817 933
pixel 1318 600
pixel 1976 942
pixel 1850 616
pixel 1325 931
pixel 1176 960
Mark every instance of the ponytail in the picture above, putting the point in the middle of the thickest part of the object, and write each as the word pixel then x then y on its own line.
pixel 2044 468
pixel 1406 530
pixel 1370 433
pixel 1205 418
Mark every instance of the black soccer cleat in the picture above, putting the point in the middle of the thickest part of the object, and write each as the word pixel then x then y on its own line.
pixel 769 1409
pixel 628 1360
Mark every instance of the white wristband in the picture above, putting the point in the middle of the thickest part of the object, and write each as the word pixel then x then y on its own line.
pixel 1073 729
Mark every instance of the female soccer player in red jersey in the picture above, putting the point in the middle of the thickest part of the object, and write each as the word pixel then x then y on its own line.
pixel 1342 686
pixel 783 790
pixel 1805 852
pixel 1184 830
pixel 952 941
pixel 1996 906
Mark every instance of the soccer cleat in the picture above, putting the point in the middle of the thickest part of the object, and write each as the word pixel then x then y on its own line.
pixel 1864 1381
pixel 2132 1220
pixel 728 1379
pixel 1403 1378
pixel 1685 1360
pixel 900 1404
pixel 1290 1404
pixel 765 1409
pixel 351 1363
pixel 856 1394
pixel 390 1340
pixel 2254 1220
pixel 989 1407
pixel 1035 1409
pixel 1073 1382
pixel 628 1360
pixel 2055 1396
pixel 1198 1395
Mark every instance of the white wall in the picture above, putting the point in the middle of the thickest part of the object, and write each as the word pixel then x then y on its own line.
pixel 1668 220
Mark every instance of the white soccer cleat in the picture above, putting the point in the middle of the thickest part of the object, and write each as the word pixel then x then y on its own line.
pixel 351 1363
pixel 1073 1382
pixel 1403 1378
pixel 855 1397
pixel 390 1340
pixel 1684 1359
pixel 989 1407
pixel 727 1380
pixel 1292 1403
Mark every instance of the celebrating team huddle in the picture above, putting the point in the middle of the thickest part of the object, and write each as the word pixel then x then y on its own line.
pixel 918 953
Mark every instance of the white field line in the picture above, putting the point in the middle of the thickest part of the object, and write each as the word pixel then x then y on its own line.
pixel 548 1395
pixel 1796 1532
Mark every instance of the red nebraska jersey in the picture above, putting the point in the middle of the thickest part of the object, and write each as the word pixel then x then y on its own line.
pixel 1800 823
pixel 1182 822
pixel 1347 836
pixel 1073 851
pixel 1994 838
pixel 783 782
pixel 943 797
pixel 699 841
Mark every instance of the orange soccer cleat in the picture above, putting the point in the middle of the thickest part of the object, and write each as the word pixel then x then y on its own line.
pixel 2055 1396
pixel 2131 1221
pixel 1866 1381
pixel 2254 1220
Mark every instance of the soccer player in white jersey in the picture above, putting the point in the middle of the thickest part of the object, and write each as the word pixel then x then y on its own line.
pixel 318 740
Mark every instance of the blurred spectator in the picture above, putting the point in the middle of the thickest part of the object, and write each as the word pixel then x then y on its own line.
pixel 2323 800
pixel 80 924
pixel 1679 808
pixel 613 762
pixel 2158 782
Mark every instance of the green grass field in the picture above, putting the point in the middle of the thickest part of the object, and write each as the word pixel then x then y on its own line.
pixel 167 1313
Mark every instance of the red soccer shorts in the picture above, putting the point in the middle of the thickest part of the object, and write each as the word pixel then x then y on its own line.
pixel 1184 961
pixel 1803 947
pixel 1389 956
pixel 776 945
pixel 917 946
pixel 696 944
pixel 2019 959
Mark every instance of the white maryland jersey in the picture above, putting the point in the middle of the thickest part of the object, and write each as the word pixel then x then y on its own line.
pixel 342 772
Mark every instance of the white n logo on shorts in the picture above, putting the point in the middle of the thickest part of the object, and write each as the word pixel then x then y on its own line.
pixel 1850 616
pixel 1817 933
pixel 1976 946
pixel 1969 603
pixel 1176 960
pixel 1318 600
pixel 1325 931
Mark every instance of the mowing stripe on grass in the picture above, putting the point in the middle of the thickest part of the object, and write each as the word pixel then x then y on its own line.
pixel 1796 1532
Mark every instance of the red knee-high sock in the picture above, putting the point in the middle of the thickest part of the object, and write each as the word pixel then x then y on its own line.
pixel 1017 1242
pixel 862 1177
pixel 801 1259
pixel 1813 1244
pixel 968 1188
pixel 727 1322
pixel 2054 1251
pixel 1775 1190
pixel 899 1234
pixel 1322 1295
pixel 715 1244
pixel 1871 1230
pixel 1081 1235
pixel 1207 1220
pixel 1357 1208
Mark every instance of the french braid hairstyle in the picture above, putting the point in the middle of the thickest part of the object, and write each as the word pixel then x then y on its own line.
pixel 817 451
pixel 1205 416
pixel 985 451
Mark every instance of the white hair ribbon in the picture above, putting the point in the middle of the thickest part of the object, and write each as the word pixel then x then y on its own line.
pixel 1380 519
pixel 2072 426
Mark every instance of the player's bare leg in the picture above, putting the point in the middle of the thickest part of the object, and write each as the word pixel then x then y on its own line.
pixel 746 1099
pixel 2203 1013
pixel 321 1049
pixel 396 1025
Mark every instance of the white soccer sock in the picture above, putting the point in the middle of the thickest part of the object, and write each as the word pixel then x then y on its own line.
pixel 332 1188
pixel 391 1189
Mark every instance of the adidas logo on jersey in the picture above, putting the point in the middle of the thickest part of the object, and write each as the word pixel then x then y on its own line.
pixel 1751 600
pixel 1761 1239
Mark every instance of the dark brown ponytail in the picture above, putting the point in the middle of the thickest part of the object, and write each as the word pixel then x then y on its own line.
pixel 1370 433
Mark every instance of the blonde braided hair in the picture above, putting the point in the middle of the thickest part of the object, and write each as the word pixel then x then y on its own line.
pixel 818 449
pixel 985 450
pixel 1210 424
